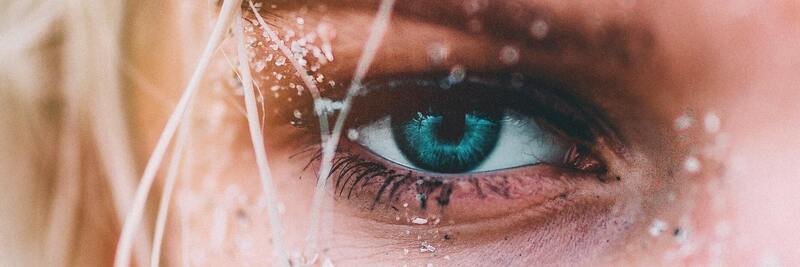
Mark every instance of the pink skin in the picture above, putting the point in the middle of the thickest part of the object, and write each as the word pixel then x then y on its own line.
pixel 734 61
pixel 538 191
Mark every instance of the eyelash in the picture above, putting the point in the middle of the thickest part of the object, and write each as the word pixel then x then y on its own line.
pixel 351 171
pixel 564 114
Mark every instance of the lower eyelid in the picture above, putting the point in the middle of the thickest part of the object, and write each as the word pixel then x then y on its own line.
pixel 535 191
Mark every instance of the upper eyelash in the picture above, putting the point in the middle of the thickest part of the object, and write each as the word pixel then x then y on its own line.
pixel 560 112
pixel 571 111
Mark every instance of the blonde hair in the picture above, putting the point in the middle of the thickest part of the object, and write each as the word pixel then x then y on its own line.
pixel 63 132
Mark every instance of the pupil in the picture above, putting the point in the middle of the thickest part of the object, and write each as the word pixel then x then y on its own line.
pixel 451 129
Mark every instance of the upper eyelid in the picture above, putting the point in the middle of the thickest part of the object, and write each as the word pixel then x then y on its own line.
pixel 569 114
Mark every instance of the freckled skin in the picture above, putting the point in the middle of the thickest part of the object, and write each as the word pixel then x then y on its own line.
pixel 737 60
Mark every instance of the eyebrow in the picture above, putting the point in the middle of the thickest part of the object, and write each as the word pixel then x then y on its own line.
pixel 618 36
pixel 589 31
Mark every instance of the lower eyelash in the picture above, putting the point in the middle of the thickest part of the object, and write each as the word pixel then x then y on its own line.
pixel 353 174
pixel 579 157
pixel 350 172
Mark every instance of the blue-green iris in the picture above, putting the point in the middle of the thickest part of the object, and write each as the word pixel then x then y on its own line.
pixel 450 143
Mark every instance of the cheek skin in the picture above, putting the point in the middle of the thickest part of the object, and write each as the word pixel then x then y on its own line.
pixel 221 210
pixel 568 238
pixel 226 223
pixel 756 192
pixel 744 212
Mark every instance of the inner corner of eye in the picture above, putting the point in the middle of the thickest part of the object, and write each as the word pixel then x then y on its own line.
pixel 459 142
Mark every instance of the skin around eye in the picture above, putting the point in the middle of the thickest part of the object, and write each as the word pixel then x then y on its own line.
pixel 414 158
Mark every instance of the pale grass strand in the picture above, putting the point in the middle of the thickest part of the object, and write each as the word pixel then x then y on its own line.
pixel 63 211
pixel 256 136
pixel 169 188
pixel 299 70
pixel 184 231
pixel 377 31
pixel 93 59
pixel 134 217
pixel 64 204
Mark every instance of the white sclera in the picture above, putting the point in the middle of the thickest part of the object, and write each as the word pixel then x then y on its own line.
pixel 378 138
pixel 522 142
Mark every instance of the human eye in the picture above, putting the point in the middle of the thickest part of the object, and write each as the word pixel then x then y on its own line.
pixel 469 135
pixel 415 140
pixel 460 126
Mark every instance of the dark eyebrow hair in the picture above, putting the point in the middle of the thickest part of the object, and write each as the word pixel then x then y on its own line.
pixel 605 37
